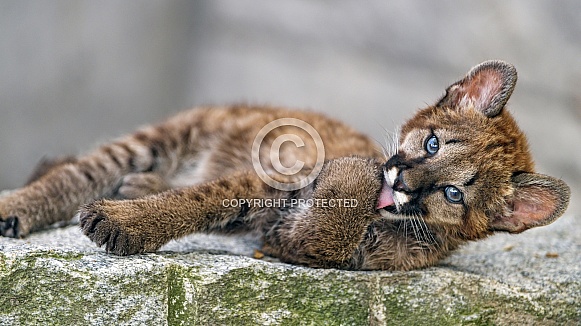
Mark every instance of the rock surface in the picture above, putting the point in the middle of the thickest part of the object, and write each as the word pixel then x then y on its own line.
pixel 59 277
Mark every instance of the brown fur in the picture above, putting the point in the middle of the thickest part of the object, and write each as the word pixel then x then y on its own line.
pixel 175 176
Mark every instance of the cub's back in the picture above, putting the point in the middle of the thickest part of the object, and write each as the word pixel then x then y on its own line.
pixel 223 138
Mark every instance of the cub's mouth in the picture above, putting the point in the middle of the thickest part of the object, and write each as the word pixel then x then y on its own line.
pixel 385 199
pixel 391 201
pixel 386 204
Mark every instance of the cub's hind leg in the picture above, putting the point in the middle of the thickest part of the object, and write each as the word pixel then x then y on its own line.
pixel 48 164
pixel 132 185
pixel 56 195
pixel 10 226
pixel 58 191
pixel 135 185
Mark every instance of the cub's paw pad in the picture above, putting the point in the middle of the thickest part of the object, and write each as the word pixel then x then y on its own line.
pixel 102 230
pixel 10 227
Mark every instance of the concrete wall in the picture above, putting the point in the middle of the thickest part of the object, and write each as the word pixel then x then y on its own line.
pixel 76 73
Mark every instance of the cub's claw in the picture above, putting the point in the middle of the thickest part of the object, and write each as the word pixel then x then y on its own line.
pixel 103 230
pixel 10 227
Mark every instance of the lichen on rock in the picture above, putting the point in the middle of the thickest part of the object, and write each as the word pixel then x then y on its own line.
pixel 58 277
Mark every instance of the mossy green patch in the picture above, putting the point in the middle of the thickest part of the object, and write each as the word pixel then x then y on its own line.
pixel 254 296
pixel 48 289
pixel 57 254
pixel 408 302
pixel 419 298
pixel 53 287
pixel 182 305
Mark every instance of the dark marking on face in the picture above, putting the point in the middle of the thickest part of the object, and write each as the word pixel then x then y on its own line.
pixel 472 180
pixel 492 146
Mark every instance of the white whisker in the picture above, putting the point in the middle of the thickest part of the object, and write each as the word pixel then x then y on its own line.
pixel 414 228
pixel 391 140
pixel 383 149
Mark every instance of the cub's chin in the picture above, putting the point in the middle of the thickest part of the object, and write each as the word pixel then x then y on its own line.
pixel 395 213
pixel 390 212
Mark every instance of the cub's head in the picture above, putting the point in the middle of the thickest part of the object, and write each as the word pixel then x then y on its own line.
pixel 465 165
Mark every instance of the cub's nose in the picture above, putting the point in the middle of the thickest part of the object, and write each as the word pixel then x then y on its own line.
pixel 395 168
pixel 395 179
pixel 399 183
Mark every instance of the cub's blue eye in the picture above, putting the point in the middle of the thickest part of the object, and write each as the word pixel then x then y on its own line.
pixel 432 145
pixel 453 194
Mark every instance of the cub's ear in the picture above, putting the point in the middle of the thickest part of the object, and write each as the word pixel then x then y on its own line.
pixel 538 200
pixel 487 86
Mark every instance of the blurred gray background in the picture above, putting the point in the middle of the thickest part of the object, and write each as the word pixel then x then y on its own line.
pixel 76 73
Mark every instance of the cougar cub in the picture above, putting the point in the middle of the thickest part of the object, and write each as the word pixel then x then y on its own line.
pixel 317 190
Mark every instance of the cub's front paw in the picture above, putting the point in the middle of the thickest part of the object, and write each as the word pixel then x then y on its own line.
pixel 101 223
pixel 10 227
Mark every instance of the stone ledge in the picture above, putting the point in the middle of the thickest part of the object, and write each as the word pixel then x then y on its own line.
pixel 59 277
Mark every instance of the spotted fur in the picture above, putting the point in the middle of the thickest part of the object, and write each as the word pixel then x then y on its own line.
pixel 462 171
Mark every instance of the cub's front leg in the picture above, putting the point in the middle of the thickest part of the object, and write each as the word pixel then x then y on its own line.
pixel 144 224
pixel 344 202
